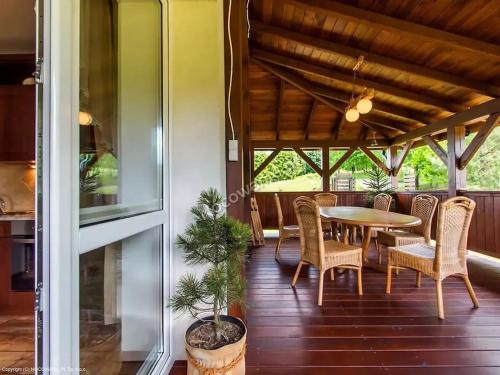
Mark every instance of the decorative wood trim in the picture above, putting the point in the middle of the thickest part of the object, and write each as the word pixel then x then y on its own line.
pixel 308 160
pixel 375 160
pixel 330 73
pixel 279 109
pixel 341 161
pixel 486 108
pixel 345 50
pixel 398 26
pixel 270 145
pixel 436 147
pixel 266 162
pixel 478 140
pixel 400 159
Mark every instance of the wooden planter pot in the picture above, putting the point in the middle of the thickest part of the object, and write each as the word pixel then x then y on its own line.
pixel 228 360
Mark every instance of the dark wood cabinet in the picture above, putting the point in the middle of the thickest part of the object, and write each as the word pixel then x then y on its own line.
pixel 17 123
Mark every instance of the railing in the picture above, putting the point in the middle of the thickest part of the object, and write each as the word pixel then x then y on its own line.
pixel 484 232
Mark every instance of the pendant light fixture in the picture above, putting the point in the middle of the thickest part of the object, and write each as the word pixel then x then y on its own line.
pixel 361 104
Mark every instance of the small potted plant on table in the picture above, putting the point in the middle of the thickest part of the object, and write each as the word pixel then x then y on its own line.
pixel 215 344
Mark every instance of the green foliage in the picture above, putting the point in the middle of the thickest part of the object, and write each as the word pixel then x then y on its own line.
pixel 219 241
pixel 483 171
pixel 377 182
pixel 430 172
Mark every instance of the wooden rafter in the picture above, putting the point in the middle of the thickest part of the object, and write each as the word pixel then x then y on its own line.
pixel 345 50
pixel 341 161
pixel 398 26
pixel 400 159
pixel 376 128
pixel 279 109
pixel 375 160
pixel 478 140
pixel 310 118
pixel 338 125
pixel 491 106
pixel 436 147
pixel 329 73
pixel 308 160
pixel 266 162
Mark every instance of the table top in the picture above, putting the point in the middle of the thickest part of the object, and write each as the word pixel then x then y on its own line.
pixel 368 217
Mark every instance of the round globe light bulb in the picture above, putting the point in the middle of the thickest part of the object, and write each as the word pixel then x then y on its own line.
pixel 84 118
pixel 352 115
pixel 364 105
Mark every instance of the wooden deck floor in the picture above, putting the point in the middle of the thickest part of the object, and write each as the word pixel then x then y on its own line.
pixel 370 334
pixel 16 344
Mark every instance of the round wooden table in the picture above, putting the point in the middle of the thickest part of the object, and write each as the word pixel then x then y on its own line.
pixel 368 218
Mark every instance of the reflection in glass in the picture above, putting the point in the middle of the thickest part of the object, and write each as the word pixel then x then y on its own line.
pixel 120 116
pixel 120 306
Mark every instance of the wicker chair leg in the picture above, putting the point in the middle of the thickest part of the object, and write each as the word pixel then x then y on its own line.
pixel 278 245
pixel 320 289
pixel 389 279
pixel 332 273
pixel 439 296
pixel 471 291
pixel 360 283
pixel 419 279
pixel 297 272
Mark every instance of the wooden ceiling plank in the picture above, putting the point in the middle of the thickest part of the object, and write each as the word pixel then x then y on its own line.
pixel 436 147
pixel 486 108
pixel 478 140
pixel 398 26
pixel 308 160
pixel 370 57
pixel 375 159
pixel 279 108
pixel 266 162
pixel 328 73
pixel 345 143
pixel 336 130
pixel 341 161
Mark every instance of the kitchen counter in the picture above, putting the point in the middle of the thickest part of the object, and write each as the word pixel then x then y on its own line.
pixel 18 216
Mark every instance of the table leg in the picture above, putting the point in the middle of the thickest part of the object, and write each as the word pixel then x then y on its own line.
pixel 365 245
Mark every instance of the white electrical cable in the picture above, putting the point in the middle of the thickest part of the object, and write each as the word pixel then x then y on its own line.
pixel 248 20
pixel 231 69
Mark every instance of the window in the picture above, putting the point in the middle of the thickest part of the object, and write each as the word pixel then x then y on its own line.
pixel 121 305
pixel 120 115
pixel 287 172
pixel 483 171
pixel 423 170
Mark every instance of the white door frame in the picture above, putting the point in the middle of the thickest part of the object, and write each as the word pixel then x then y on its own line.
pixel 66 238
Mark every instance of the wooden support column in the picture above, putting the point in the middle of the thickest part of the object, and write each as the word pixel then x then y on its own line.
pixel 456 146
pixel 392 153
pixel 325 159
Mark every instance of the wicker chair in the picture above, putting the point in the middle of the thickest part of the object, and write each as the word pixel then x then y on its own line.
pixel 423 207
pixel 285 231
pixel 381 202
pixel 327 200
pixel 449 255
pixel 314 250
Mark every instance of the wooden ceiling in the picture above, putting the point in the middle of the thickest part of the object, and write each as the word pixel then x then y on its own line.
pixel 425 59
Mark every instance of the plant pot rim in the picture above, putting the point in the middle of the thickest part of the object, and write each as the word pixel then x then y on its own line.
pixel 232 319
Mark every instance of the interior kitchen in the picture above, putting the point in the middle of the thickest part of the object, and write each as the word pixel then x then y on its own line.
pixel 17 183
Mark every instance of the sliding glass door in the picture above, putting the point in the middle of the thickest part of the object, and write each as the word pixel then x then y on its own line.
pixel 109 187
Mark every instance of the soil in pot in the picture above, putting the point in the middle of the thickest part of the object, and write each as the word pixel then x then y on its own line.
pixel 205 336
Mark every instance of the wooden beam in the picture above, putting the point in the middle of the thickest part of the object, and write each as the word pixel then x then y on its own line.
pixel 400 159
pixel 436 147
pixel 381 60
pixel 478 140
pixel 266 162
pixel 279 109
pixel 486 108
pixel 456 177
pixel 336 129
pixel 347 143
pixel 341 161
pixel 308 160
pixel 398 26
pixel 331 73
pixel 375 160
pixel 391 163
pixel 325 167
pixel 309 119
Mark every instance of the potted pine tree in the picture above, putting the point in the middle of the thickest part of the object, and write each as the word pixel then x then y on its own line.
pixel 215 344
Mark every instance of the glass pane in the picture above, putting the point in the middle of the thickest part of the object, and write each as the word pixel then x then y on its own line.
pixel 121 305
pixel 120 116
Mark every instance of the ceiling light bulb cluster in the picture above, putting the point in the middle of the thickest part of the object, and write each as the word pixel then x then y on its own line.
pixel 85 118
pixel 360 105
